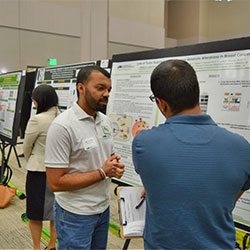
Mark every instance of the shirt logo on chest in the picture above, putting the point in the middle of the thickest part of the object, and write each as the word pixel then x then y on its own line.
pixel 106 131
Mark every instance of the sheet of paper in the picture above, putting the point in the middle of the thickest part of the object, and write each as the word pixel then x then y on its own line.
pixel 134 217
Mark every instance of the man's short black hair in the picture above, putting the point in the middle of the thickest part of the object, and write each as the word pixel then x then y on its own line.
pixel 45 96
pixel 84 73
pixel 175 82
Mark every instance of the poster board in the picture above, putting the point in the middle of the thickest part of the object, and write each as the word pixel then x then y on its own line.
pixel 223 70
pixel 27 102
pixel 63 79
pixel 11 96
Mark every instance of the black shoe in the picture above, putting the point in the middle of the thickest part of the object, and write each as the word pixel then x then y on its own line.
pixel 46 248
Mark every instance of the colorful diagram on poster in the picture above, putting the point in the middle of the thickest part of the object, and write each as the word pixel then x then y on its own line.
pixel 121 126
pixel 138 126
pixel 231 101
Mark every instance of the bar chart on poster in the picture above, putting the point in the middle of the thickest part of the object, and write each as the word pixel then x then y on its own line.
pixel 223 70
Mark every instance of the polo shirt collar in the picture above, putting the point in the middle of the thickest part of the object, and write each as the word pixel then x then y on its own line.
pixel 191 119
pixel 81 114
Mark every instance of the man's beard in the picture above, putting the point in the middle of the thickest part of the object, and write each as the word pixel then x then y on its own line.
pixel 95 105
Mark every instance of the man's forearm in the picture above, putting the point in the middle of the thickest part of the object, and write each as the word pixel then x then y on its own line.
pixel 69 182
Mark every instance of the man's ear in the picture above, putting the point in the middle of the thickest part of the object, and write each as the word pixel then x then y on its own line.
pixel 80 87
pixel 162 105
pixel 164 108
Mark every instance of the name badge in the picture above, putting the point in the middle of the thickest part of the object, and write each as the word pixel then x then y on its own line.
pixel 89 143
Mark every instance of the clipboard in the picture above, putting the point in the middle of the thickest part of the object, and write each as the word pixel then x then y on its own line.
pixel 131 210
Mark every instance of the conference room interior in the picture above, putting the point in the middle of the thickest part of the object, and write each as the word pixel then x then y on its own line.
pixel 40 32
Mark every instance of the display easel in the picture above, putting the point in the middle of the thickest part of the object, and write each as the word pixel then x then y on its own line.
pixel 17 157
pixel 12 84
pixel 5 169
pixel 4 165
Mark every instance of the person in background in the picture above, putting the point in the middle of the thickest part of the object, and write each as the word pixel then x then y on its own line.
pixel 192 170
pixel 39 197
pixel 79 161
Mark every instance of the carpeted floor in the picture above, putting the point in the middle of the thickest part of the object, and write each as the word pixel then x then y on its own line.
pixel 14 232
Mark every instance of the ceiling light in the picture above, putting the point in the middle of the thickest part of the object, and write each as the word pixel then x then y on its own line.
pixel 3 70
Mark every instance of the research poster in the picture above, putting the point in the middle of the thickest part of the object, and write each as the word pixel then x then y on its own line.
pixel 224 80
pixel 9 84
pixel 63 79
pixel 241 211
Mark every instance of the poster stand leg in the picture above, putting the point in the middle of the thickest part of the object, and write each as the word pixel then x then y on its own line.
pixel 17 158
pixel 4 164
pixel 2 146
pixel 126 244
pixel 5 169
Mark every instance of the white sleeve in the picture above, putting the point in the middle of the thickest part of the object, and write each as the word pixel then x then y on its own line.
pixel 58 147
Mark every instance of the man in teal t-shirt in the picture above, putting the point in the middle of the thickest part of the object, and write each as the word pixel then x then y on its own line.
pixel 192 170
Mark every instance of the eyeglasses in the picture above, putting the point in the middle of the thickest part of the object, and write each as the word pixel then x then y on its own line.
pixel 152 98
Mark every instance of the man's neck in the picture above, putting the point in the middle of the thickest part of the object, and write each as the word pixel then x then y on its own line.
pixel 193 111
pixel 86 109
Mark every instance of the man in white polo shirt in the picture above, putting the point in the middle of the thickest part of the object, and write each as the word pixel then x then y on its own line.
pixel 79 163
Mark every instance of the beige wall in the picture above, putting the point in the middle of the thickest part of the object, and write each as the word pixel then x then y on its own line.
pixel 204 19
pixel 194 21
pixel 94 30
pixel 135 34
pixel 135 25
pixel 33 31
pixel 20 48
pixel 77 30
pixel 117 48
pixel 65 3
pixel 49 17
pixel 37 47
pixel 139 11
pixel 228 20
pixel 183 19
pixel 9 49
pixel 166 17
